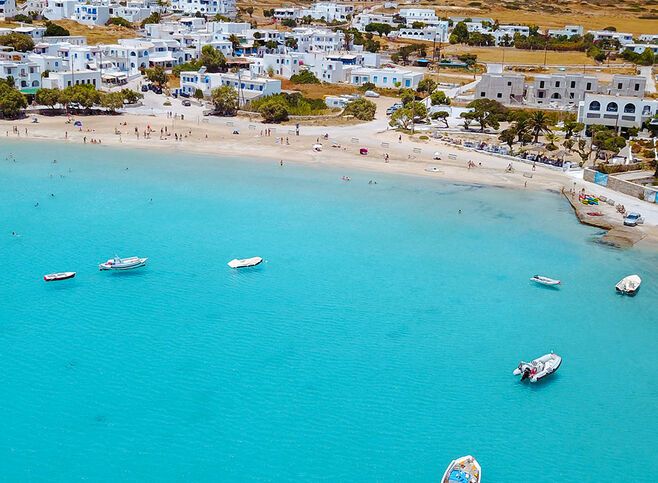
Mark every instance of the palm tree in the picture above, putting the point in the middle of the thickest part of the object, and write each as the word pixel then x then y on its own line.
pixel 521 128
pixel 538 124
pixel 235 42
pixel 552 138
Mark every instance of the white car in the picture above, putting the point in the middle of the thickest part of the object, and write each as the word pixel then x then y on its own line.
pixel 436 155
pixel 633 219
pixel 371 94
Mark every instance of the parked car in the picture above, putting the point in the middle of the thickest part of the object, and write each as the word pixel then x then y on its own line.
pixel 156 89
pixel 633 219
pixel 187 102
pixel 183 94
pixel 145 87
pixel 392 109
pixel 371 94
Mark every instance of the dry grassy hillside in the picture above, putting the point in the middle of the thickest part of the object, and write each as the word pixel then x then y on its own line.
pixel 635 16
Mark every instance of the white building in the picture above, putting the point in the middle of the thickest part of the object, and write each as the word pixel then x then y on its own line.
pixel 561 89
pixel 327 11
pixel 507 32
pixel 648 38
pixel 35 33
pixel 7 9
pixel 567 31
pixel 61 80
pixel 26 74
pixel 434 33
pixel 89 14
pixel 504 88
pixel 425 15
pixel 616 111
pixel 59 9
pixel 318 40
pixel 640 48
pixel 623 37
pixel 361 20
pixel 249 87
pixel 207 7
pixel 391 78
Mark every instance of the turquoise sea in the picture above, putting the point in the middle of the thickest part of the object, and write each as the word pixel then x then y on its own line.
pixel 376 343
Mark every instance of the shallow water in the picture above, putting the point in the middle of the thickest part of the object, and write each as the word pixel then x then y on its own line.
pixel 376 343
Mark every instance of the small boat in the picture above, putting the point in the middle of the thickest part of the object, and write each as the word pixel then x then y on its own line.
pixel 117 263
pixel 53 277
pixel 629 285
pixel 545 280
pixel 245 262
pixel 539 368
pixel 463 470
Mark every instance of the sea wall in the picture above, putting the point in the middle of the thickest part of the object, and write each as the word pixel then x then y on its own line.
pixel 622 186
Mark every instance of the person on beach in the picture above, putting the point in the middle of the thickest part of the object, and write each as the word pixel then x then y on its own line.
pixel 400 138
pixel 281 163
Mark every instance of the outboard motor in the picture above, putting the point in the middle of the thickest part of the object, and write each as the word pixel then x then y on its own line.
pixel 526 373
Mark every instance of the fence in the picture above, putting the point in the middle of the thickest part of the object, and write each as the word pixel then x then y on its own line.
pixel 636 190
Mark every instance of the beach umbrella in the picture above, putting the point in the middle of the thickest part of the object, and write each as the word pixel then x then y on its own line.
pixel 77 123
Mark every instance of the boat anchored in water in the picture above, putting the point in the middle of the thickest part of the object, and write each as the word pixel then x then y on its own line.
pixel 463 470
pixel 629 285
pixel 545 280
pixel 53 277
pixel 117 263
pixel 245 262
pixel 539 368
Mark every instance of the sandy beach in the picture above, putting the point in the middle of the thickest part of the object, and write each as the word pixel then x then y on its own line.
pixel 280 144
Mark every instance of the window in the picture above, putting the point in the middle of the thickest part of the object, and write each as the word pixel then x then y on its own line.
pixel 595 106
pixel 481 94
pixel 540 94
pixel 557 83
pixel 629 108
pixel 589 86
pixel 541 84
pixel 612 107
pixel 573 84
pixel 637 87
pixel 509 83
pixel 499 95
pixel 619 85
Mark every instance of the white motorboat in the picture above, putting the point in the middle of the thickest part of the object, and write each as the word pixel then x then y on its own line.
pixel 53 277
pixel 245 262
pixel 629 285
pixel 463 470
pixel 539 368
pixel 117 263
pixel 545 280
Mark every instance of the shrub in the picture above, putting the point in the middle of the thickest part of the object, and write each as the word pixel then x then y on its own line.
pixel 274 111
pixel 54 30
pixel 122 22
pixel 304 77
pixel 296 104
pixel 362 109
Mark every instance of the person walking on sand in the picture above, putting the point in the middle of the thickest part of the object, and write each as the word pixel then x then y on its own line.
pixel 400 138
pixel 281 163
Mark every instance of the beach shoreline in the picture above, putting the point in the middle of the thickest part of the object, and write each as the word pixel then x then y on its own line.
pixel 406 155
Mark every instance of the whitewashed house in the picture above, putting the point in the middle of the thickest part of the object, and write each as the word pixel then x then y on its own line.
pixel 63 79
pixel 425 15
pixel 434 33
pixel 7 9
pixel 616 111
pixel 391 78
pixel 26 74
pixel 249 87
pixel 567 31
pixel 207 7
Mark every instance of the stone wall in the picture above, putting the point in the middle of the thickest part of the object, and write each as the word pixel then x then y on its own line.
pixel 622 186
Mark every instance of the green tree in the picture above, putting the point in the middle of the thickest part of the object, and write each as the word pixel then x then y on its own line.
pixel 508 136
pixel 235 42
pixel 646 57
pixel 212 59
pixel 380 28
pixel 112 100
pixel 12 102
pixel 157 75
pixel 487 113
pixel 249 10
pixel 304 77
pixel 155 17
pixel 130 96
pixel 571 127
pixel 198 94
pixel 273 111
pixel 538 124
pixel 407 96
pixel 47 97
pixel 417 25
pixel 225 100
pixel 441 116
pixel 459 34
pixel 362 109
pixel 426 86
pixel 54 30
pixel 291 43
pixel 439 98
pixel 18 42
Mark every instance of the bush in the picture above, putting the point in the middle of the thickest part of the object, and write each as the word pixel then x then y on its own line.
pixel 304 77
pixel 296 104
pixel 54 30
pixel 288 22
pixel 18 42
pixel 22 18
pixel 273 111
pixel 362 109
pixel 122 22
pixel 368 86
pixel 155 17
